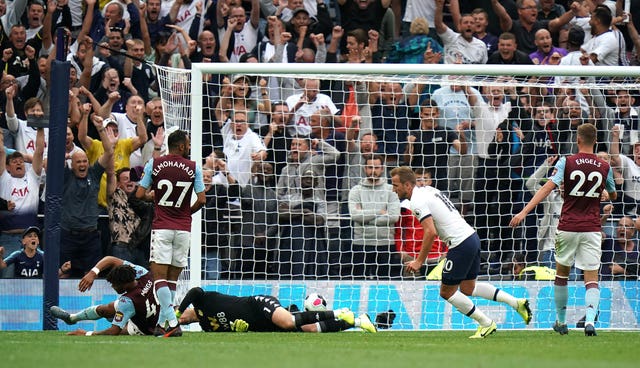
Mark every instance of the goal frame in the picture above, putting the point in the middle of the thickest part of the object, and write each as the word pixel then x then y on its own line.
pixel 409 70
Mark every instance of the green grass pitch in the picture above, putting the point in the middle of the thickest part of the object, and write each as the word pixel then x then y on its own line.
pixel 446 349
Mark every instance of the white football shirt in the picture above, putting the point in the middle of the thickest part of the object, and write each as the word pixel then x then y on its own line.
pixel 301 124
pixel 474 52
pixel 238 152
pixel 631 174
pixel 451 227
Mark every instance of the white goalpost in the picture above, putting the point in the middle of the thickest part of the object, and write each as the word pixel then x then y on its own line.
pixel 595 94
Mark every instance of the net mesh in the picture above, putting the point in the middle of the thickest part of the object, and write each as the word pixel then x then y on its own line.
pixel 306 225
pixel 175 87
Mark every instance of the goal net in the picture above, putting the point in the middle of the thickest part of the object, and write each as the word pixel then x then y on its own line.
pixel 297 163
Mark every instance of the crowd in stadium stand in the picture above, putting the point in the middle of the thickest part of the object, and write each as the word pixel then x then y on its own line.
pixel 297 169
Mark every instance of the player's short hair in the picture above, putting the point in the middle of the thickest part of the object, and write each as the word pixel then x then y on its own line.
pixel 137 41
pixel 421 171
pixel 464 15
pixel 305 138
pixel 246 56
pixel 576 36
pixel 369 132
pixel 18 25
pixel 260 166
pixel 480 11
pixel 13 156
pixel 120 171
pixel 176 139
pixel 419 26
pixel 428 103
pixel 120 7
pixel 507 36
pixel 603 14
pixel 118 30
pixel 31 103
pixel 121 275
pixel 360 35
pixel 275 104
pixel 519 258
pixel 405 174
pixel 588 133
pixel 373 157
pixel 242 112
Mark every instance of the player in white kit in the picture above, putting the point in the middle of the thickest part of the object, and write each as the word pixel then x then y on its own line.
pixel 439 217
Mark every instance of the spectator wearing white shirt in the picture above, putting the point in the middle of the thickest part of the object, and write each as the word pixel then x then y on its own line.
pixel 25 136
pixel 607 46
pixel 70 147
pixel 185 14
pixel 582 19
pixel 305 104
pixel 242 147
pixel 238 34
pixel 575 56
pixel 416 9
pixel 630 167
pixel 460 47
pixel 284 9
pixel 19 184
pixel 128 127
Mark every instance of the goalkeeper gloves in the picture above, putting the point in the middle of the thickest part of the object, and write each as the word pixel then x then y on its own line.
pixel 239 325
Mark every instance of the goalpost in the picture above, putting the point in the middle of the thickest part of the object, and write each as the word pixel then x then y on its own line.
pixel 588 90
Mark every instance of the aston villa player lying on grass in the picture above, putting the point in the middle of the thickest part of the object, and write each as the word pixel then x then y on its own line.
pixel 135 312
pixel 216 312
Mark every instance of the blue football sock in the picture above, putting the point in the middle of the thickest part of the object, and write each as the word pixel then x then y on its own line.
pixel 592 300
pixel 561 296
pixel 163 294
pixel 87 314
pixel 172 288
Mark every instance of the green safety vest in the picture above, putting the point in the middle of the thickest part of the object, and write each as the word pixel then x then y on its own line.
pixel 540 273
pixel 436 272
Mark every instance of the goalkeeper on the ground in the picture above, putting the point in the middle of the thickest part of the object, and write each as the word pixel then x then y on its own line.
pixel 216 312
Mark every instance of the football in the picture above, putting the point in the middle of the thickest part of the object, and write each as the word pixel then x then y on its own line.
pixel 315 302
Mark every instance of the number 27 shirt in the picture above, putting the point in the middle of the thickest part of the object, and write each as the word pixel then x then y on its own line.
pixel 172 178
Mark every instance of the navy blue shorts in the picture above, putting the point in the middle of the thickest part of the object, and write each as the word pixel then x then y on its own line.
pixel 462 262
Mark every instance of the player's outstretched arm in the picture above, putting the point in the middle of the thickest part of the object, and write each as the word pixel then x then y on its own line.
pixel 187 316
pixel 541 194
pixel 111 331
pixel 107 262
pixel 430 234
pixel 193 296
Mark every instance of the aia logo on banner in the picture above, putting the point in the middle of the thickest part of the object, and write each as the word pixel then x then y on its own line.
pixel 302 121
pixel 20 192
pixel 240 50
pixel 184 17
pixel 31 145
